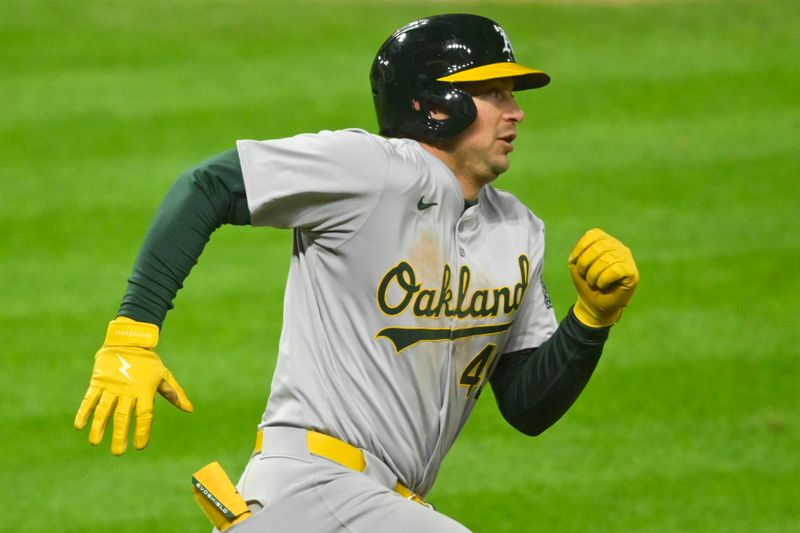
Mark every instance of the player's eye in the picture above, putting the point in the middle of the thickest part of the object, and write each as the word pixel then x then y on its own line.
pixel 502 94
pixel 493 94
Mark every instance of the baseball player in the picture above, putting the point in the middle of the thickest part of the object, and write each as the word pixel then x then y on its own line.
pixel 413 283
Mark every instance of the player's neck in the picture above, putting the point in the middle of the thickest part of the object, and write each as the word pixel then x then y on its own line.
pixel 470 187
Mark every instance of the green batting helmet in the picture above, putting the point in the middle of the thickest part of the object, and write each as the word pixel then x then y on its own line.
pixel 418 68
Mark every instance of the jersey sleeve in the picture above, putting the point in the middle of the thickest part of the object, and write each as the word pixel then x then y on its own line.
pixel 326 184
pixel 536 320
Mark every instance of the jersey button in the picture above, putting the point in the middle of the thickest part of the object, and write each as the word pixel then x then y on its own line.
pixel 461 226
pixel 461 252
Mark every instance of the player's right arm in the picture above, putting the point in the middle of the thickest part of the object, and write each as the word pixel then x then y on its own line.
pixel 127 370
pixel 534 387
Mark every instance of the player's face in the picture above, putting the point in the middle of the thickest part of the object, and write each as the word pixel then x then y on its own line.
pixel 480 153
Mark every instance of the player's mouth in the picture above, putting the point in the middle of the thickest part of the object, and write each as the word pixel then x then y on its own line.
pixel 507 140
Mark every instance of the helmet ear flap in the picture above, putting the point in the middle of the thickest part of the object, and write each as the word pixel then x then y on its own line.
pixel 453 102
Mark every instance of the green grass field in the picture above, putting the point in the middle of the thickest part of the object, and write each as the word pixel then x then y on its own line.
pixel 673 125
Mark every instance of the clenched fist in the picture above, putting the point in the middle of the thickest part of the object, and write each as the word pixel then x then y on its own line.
pixel 605 277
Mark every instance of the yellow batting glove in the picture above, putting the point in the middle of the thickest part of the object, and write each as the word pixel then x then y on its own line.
pixel 127 373
pixel 605 277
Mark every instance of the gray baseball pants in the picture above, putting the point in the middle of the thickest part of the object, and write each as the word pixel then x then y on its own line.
pixel 298 492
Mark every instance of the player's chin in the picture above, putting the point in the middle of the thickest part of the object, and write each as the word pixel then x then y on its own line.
pixel 500 164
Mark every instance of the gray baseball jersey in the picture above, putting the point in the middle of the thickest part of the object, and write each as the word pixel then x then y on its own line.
pixel 399 301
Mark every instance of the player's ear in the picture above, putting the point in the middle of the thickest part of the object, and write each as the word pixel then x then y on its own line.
pixel 435 112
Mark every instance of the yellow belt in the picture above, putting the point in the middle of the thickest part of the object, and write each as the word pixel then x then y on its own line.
pixel 344 454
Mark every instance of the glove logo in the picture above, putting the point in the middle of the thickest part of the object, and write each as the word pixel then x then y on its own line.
pixel 124 368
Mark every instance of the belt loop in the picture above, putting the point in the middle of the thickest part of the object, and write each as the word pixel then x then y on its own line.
pixel 335 450
pixel 406 493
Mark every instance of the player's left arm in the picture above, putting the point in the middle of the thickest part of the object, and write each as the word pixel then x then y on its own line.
pixel 127 370
pixel 534 387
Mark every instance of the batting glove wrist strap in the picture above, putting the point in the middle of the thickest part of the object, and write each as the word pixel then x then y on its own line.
pixel 124 331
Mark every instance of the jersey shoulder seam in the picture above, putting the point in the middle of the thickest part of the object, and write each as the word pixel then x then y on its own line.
pixel 378 197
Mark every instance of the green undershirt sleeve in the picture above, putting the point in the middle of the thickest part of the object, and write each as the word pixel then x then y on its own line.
pixel 535 387
pixel 202 199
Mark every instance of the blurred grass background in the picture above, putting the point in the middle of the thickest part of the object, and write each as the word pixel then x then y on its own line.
pixel 672 124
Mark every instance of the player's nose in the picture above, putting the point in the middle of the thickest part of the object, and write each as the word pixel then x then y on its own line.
pixel 514 113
